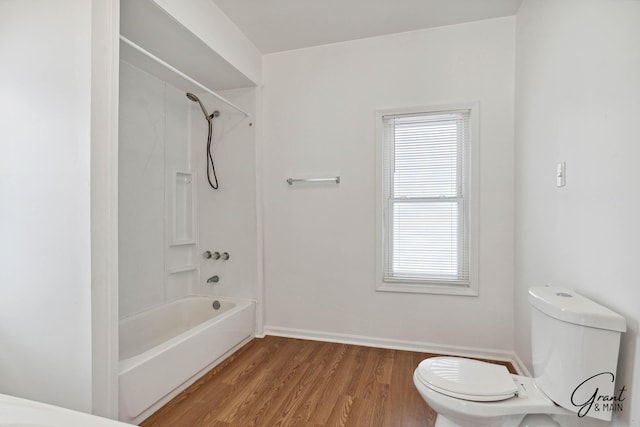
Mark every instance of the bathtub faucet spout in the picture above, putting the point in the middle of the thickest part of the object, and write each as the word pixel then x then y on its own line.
pixel 213 279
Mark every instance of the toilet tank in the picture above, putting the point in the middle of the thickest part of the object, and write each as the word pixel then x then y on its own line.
pixel 574 345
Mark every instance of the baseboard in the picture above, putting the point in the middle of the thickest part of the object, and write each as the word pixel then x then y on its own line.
pixel 519 365
pixel 422 347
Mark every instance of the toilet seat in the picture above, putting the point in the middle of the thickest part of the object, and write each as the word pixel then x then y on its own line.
pixel 467 379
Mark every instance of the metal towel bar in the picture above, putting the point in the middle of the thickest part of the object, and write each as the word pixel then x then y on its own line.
pixel 335 179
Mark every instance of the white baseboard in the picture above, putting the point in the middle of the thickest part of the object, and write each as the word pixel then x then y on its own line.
pixel 422 347
pixel 519 365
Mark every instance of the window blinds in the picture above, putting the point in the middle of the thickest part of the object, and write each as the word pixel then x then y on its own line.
pixel 425 184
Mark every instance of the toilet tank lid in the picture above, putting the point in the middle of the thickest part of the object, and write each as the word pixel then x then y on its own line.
pixel 566 305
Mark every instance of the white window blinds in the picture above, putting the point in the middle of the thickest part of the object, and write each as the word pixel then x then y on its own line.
pixel 425 190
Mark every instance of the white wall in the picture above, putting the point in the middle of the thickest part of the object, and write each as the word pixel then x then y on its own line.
pixel 319 109
pixel 45 253
pixel 577 95
pixel 162 132
pixel 141 182
pixel 154 140
pixel 104 205
pixel 227 217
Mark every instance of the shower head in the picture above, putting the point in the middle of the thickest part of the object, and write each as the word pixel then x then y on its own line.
pixel 211 169
pixel 207 116
pixel 194 98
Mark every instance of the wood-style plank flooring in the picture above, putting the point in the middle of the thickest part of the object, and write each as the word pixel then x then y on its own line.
pixel 277 381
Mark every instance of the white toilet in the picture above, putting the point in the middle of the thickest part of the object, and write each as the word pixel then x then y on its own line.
pixel 575 344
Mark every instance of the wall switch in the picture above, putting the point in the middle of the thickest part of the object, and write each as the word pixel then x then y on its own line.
pixel 561 171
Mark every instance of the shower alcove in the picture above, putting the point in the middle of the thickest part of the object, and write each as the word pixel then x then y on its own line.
pixel 168 215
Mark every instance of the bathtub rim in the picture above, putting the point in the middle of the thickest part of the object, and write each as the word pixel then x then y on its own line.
pixel 176 301
pixel 125 365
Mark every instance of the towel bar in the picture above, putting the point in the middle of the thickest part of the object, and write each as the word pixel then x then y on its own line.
pixel 335 179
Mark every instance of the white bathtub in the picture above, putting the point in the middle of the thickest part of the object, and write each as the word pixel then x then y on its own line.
pixel 164 350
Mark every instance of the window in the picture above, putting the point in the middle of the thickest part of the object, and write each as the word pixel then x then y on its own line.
pixel 426 200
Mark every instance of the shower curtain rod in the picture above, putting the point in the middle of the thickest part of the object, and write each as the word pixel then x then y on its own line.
pixel 181 74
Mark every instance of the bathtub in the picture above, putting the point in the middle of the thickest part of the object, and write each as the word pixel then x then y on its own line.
pixel 165 349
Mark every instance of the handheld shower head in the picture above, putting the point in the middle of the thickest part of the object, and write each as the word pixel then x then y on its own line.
pixel 211 169
pixel 194 98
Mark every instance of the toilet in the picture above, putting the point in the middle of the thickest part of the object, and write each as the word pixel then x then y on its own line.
pixel 574 343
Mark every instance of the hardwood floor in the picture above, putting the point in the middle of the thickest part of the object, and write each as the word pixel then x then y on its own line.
pixel 277 381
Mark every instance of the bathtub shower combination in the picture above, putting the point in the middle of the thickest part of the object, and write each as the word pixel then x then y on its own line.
pixel 168 336
pixel 165 349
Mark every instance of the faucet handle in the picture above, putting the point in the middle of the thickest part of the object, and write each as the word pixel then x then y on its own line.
pixel 214 255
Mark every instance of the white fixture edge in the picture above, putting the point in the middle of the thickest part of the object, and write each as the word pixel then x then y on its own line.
pixel 168 397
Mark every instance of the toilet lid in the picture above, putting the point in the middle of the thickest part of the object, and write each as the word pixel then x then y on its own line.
pixel 467 379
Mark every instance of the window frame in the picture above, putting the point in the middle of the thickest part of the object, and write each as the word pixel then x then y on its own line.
pixel 383 206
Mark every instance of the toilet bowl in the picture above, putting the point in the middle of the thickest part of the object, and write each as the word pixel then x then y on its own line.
pixel 571 338
pixel 470 393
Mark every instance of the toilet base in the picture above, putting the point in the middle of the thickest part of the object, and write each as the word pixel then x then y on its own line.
pixel 442 421
pixel 532 420
pixel 539 420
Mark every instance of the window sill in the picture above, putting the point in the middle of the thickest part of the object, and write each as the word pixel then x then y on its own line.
pixel 428 289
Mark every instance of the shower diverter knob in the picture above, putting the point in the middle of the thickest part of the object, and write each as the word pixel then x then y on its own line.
pixel 209 255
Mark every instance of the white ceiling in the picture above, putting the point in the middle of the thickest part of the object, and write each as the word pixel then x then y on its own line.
pixel 277 25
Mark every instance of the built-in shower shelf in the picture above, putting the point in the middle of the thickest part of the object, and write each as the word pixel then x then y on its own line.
pixel 183 243
pixel 182 269
pixel 182 198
